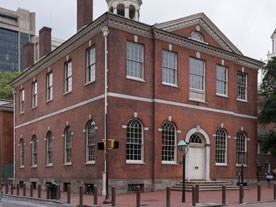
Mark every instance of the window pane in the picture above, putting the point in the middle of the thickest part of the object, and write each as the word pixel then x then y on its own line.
pixel 168 142
pixel 169 67
pixel 221 146
pixel 197 74
pixel 135 60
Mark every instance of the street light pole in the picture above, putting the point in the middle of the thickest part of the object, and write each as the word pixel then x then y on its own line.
pixel 183 180
pixel 183 146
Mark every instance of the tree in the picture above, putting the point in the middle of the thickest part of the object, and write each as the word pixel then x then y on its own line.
pixel 5 87
pixel 268 104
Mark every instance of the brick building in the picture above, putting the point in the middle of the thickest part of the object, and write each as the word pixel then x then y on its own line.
pixel 6 139
pixel 147 87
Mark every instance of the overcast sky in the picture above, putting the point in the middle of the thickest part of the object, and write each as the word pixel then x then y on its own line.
pixel 249 24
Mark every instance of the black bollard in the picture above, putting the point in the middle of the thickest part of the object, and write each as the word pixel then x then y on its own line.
pixel 168 195
pixel 113 196
pixel 224 194
pixel 138 196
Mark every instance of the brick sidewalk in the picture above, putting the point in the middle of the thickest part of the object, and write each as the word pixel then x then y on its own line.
pixel 158 199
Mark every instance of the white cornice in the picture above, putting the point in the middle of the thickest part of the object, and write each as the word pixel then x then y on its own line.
pixel 206 23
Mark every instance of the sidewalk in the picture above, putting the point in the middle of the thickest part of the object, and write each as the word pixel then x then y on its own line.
pixel 158 199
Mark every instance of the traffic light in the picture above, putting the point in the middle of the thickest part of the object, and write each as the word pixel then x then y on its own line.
pixel 114 144
pixel 101 146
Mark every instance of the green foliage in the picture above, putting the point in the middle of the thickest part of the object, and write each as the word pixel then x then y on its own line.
pixel 269 145
pixel 268 92
pixel 5 88
pixel 268 105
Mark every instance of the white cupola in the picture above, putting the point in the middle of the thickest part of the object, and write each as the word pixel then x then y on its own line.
pixel 273 37
pixel 126 8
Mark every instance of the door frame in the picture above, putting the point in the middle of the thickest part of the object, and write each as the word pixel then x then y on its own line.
pixel 206 173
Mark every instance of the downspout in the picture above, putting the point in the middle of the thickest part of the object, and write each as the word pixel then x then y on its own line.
pixel 105 34
pixel 14 144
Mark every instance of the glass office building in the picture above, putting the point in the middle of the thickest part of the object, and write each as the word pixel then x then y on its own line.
pixel 16 29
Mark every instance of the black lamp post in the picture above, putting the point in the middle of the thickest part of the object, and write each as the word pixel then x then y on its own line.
pixel 184 147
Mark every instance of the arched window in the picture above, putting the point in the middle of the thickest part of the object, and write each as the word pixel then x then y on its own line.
pixel 197 36
pixel 90 141
pixel 121 10
pixel 68 145
pixel 34 151
pixel 21 152
pixel 221 144
pixel 168 142
pixel 195 139
pixel 132 12
pixel 241 148
pixel 135 141
pixel 49 148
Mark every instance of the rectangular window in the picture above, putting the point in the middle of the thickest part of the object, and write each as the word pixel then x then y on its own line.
pixel 221 83
pixel 135 61
pixel 242 86
pixel 91 65
pixel 21 100
pixel 49 86
pixel 34 152
pixel 169 67
pixel 34 94
pixel 68 77
pixel 197 80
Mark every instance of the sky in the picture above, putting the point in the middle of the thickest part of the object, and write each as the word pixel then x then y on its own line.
pixel 248 24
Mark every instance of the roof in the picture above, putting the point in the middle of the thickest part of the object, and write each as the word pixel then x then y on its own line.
pixel 6 104
pixel 202 20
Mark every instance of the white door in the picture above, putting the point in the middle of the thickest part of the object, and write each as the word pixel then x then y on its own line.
pixel 196 165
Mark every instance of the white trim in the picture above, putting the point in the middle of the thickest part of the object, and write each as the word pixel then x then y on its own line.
pixel 61 111
pixel 137 98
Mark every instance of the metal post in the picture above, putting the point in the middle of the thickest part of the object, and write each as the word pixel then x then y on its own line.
pixel 7 188
pixel 68 193
pixel 47 191
pixel 138 196
pixel 183 180
pixel 39 191
pixel 11 189
pixel 168 196
pixel 223 194
pixel 259 192
pixel 274 191
pixel 107 199
pixel 113 195
pixel 24 189
pixel 95 191
pixel 31 190
pixel 58 192
pixel 81 195
pixel 17 189
pixel 241 194
pixel 197 193
pixel 193 195
pixel 242 171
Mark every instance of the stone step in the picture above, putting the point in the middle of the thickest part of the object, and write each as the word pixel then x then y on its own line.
pixel 206 186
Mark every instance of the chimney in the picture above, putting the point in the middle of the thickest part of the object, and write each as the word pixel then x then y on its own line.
pixel 84 13
pixel 45 41
pixel 28 55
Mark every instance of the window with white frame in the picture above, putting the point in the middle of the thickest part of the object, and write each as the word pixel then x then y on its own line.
pixel 242 86
pixel 135 60
pixel 91 65
pixel 68 145
pixel 221 147
pixel 49 148
pixel 197 36
pixel 90 141
pixel 34 151
pixel 169 67
pixel 21 100
pixel 168 143
pixel 222 80
pixel 68 77
pixel 34 94
pixel 49 86
pixel 135 141
pixel 241 148
pixel 197 79
pixel 21 152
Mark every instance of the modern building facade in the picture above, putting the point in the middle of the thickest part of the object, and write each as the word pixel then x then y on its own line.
pixel 147 87
pixel 16 29
pixel 6 139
